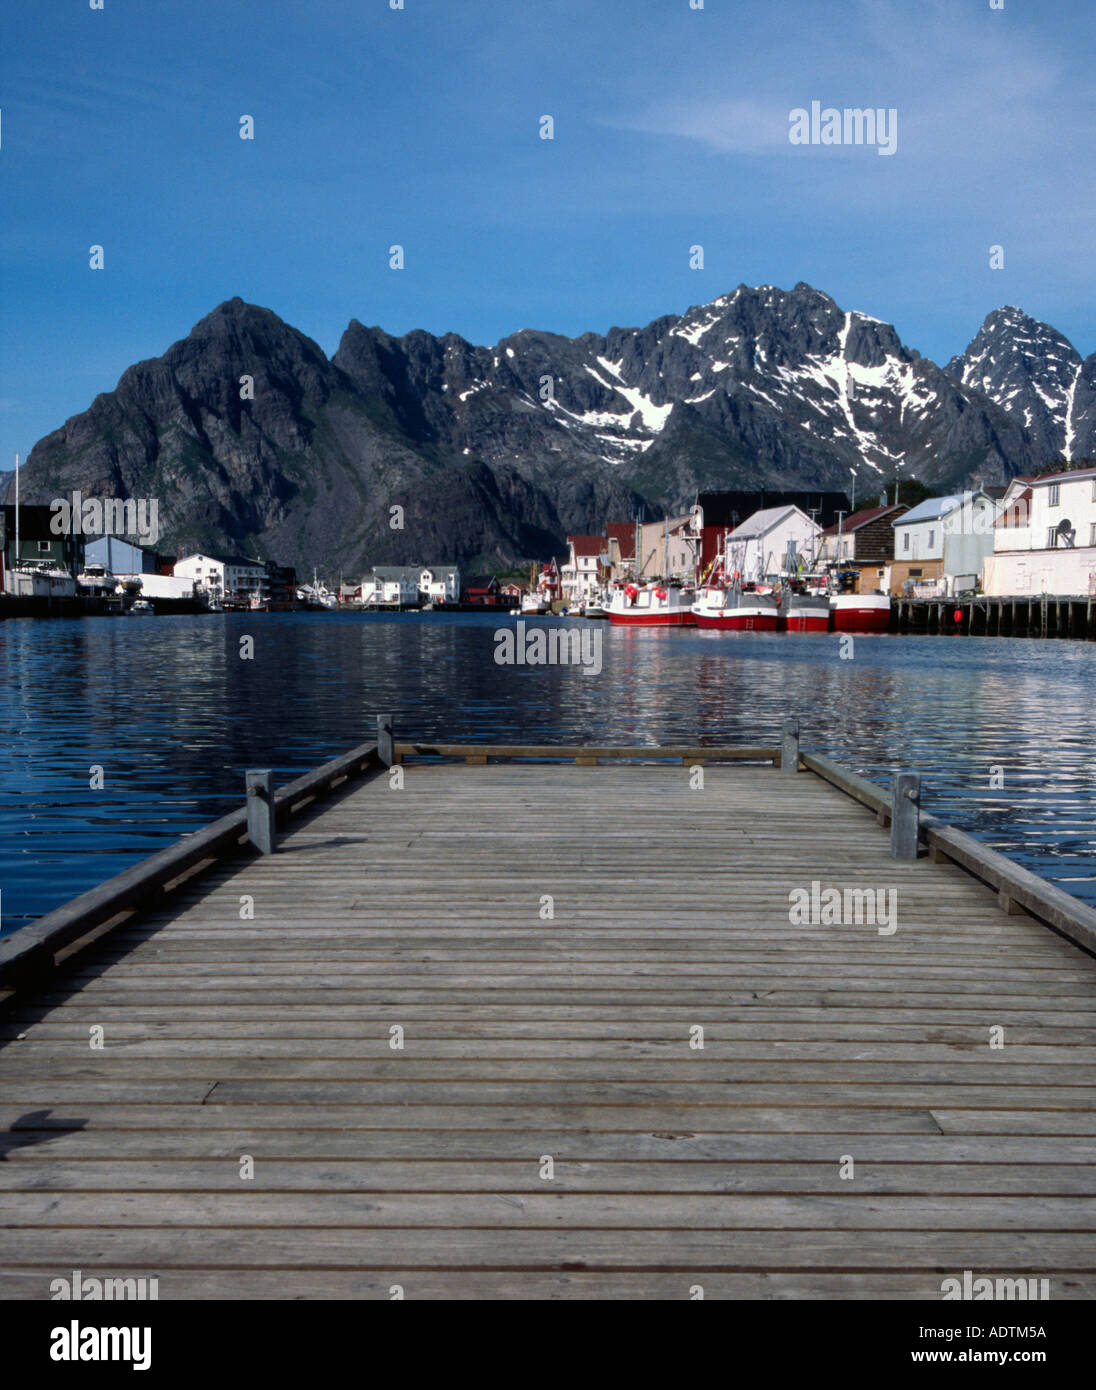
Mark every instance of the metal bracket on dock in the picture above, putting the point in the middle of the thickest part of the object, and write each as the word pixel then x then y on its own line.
pixel 260 809
pixel 905 815
pixel 386 748
pixel 789 753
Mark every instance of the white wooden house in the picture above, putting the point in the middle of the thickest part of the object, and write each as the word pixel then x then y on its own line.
pixel 1045 539
pixel 759 547
pixel 223 576
pixel 585 567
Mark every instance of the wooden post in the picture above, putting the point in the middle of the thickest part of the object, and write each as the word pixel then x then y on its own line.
pixel 385 745
pixel 260 810
pixel 789 752
pixel 905 814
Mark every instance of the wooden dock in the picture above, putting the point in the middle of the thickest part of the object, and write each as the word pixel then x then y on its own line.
pixel 982 615
pixel 549 938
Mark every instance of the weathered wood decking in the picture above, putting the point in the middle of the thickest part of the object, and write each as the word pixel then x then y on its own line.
pixel 569 1038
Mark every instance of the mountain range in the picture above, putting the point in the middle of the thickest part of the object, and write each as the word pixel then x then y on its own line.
pixel 420 448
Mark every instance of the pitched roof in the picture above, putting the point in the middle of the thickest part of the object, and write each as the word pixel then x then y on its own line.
pixel 1063 474
pixel 226 559
pixel 587 545
pixel 931 509
pixel 624 533
pixel 761 523
pixel 389 574
pixel 858 519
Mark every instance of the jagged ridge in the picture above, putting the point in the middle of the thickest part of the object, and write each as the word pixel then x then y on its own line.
pixel 496 453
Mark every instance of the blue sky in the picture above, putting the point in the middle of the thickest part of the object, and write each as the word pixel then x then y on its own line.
pixel 373 126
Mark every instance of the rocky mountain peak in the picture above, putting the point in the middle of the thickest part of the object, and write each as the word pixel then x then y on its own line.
pixel 1032 372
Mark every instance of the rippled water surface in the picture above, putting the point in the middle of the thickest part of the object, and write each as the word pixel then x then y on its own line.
pixel 173 715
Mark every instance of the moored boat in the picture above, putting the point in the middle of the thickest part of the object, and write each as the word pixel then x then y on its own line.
pixel 860 612
pixel 803 611
pixel 730 608
pixel 651 605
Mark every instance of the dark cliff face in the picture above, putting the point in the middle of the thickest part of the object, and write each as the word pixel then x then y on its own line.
pixel 495 454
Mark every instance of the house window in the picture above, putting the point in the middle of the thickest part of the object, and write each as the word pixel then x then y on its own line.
pixel 1092 534
pixel 1054 491
pixel 932 539
pixel 1052 537
pixel 906 541
pixel 43 547
pixel 916 574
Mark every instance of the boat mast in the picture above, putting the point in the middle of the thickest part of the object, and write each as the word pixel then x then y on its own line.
pixel 16 564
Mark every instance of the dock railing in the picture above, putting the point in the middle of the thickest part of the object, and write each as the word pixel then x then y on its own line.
pixel 1018 890
pixel 32 951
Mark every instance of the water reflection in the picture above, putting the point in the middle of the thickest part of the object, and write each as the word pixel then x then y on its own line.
pixel 174 716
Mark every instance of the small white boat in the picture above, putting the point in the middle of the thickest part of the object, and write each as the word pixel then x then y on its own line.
pixel 97 579
pixel 141 609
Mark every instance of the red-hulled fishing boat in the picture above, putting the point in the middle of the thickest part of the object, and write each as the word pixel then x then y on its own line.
pixel 651 605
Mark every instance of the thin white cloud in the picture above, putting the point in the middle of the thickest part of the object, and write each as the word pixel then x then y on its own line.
pixel 967 92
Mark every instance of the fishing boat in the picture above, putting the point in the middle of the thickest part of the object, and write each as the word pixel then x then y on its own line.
pixel 724 602
pixel 533 605
pixel 803 608
pixel 860 612
pixel 736 608
pixel 651 605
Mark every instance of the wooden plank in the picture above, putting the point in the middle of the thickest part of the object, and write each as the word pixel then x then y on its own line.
pixel 699 1076
pixel 779 1145
pixel 569 752
pixel 296 1248
pixel 492 1174
pixel 479 1285
pixel 249 1208
pixel 101 1110
pixel 51 1056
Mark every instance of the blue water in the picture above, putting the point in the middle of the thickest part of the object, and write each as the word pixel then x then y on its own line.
pixel 173 715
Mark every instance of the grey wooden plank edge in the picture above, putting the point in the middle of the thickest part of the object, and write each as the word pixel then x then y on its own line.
pixel 568 751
